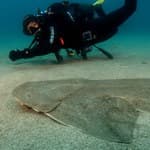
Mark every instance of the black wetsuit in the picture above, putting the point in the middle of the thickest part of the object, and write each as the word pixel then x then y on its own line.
pixel 75 31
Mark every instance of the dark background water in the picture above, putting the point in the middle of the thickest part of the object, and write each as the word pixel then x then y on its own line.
pixel 12 13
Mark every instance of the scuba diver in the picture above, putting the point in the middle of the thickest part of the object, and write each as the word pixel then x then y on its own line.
pixel 71 26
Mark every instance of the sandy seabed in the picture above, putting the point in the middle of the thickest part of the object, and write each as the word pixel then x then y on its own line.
pixel 23 129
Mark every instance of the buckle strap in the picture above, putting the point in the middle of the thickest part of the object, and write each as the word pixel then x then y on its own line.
pixel 87 36
pixel 52 35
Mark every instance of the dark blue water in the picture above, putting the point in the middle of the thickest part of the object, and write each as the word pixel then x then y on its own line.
pixel 12 13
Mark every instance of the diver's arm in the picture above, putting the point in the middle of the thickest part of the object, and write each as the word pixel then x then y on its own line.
pixel 37 47
pixel 117 17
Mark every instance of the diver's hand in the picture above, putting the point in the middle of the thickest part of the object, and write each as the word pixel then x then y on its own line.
pixel 14 55
pixel 58 57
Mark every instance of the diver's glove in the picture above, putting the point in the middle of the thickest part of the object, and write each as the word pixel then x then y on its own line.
pixel 15 55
